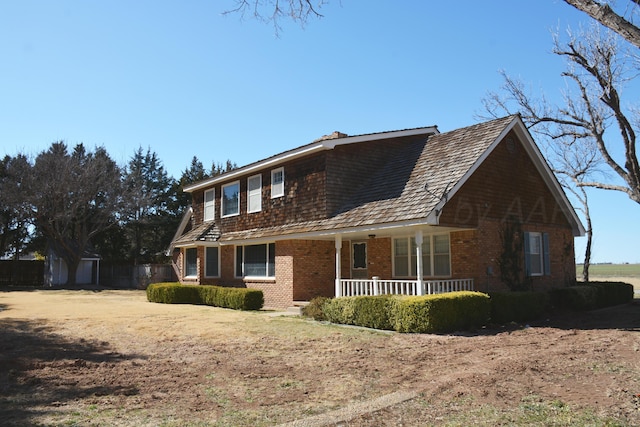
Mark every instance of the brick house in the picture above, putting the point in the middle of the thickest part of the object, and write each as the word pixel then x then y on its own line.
pixel 411 211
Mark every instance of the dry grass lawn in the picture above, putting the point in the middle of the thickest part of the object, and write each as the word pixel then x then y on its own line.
pixel 112 358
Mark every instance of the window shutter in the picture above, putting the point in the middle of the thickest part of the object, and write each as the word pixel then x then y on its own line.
pixel 545 253
pixel 527 256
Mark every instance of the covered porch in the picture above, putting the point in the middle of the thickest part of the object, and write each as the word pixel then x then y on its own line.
pixel 375 285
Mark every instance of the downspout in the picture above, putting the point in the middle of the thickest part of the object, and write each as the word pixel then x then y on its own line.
pixel 338 267
pixel 419 267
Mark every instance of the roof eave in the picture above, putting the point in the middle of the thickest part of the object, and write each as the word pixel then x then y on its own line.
pixel 327 144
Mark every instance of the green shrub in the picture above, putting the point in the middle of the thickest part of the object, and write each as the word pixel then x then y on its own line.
pixel 612 293
pixel 373 311
pixel 426 314
pixel 367 311
pixel 217 296
pixel 440 313
pixel 575 297
pixel 173 293
pixel 315 308
pixel 591 295
pixel 340 310
pixel 517 306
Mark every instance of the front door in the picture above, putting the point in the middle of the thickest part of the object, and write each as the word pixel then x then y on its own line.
pixel 359 260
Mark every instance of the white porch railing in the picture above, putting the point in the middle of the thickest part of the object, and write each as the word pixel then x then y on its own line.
pixel 375 286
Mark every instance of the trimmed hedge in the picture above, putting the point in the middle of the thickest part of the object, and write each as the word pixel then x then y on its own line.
pixel 448 312
pixel 592 295
pixel 517 306
pixel 422 314
pixel 217 296
pixel 367 311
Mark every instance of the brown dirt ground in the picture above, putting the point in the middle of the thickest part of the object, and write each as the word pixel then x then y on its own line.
pixel 112 358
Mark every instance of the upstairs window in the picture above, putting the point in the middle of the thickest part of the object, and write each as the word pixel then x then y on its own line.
pixel 209 205
pixel 254 194
pixel 231 199
pixel 277 183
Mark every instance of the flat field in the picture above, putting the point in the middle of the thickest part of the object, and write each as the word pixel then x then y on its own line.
pixel 110 358
pixel 628 273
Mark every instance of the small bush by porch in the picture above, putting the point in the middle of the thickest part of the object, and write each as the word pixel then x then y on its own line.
pixel 418 314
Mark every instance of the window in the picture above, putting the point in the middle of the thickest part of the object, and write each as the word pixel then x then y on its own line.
pixel 254 194
pixel 277 183
pixel 209 204
pixel 536 254
pixel 191 262
pixel 231 199
pixel 441 264
pixel 212 262
pixel 435 256
pixel 256 260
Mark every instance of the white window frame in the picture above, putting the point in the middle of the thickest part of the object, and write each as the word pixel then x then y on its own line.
pixel 277 189
pixel 207 273
pixel 254 197
pixel 222 200
pixel 239 263
pixel 186 259
pixel 210 205
pixel 428 239
pixel 543 266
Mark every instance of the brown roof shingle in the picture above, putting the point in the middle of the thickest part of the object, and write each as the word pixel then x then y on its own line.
pixel 408 187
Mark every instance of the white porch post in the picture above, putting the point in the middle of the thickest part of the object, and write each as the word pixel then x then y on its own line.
pixel 338 268
pixel 419 267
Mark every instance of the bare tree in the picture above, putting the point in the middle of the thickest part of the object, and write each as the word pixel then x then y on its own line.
pixel 607 16
pixel 597 71
pixel 590 137
pixel 272 11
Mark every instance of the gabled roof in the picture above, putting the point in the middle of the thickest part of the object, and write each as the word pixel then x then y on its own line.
pixel 321 144
pixel 414 186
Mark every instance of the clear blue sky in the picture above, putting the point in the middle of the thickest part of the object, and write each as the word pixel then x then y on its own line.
pixel 183 80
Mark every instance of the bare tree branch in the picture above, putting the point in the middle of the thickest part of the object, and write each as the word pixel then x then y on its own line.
pixel 272 11
pixel 605 15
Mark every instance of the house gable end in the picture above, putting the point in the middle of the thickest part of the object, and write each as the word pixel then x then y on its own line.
pixel 506 186
pixel 515 139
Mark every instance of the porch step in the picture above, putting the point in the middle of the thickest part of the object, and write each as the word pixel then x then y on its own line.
pixel 297 307
pixel 295 310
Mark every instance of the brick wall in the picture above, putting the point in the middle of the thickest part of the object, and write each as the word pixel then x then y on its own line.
pixel 379 257
pixel 507 185
pixel 313 268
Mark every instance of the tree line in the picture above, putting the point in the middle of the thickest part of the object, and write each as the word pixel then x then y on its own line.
pixel 72 201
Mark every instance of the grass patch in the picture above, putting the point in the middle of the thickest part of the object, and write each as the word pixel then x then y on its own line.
pixel 611 270
pixel 531 411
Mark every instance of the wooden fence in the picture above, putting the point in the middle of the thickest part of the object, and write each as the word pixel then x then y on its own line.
pixel 21 273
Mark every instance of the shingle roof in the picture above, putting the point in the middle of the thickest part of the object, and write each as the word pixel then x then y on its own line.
pixel 408 187
pixel 205 232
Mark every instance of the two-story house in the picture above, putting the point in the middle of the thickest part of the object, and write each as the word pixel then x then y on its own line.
pixel 411 211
